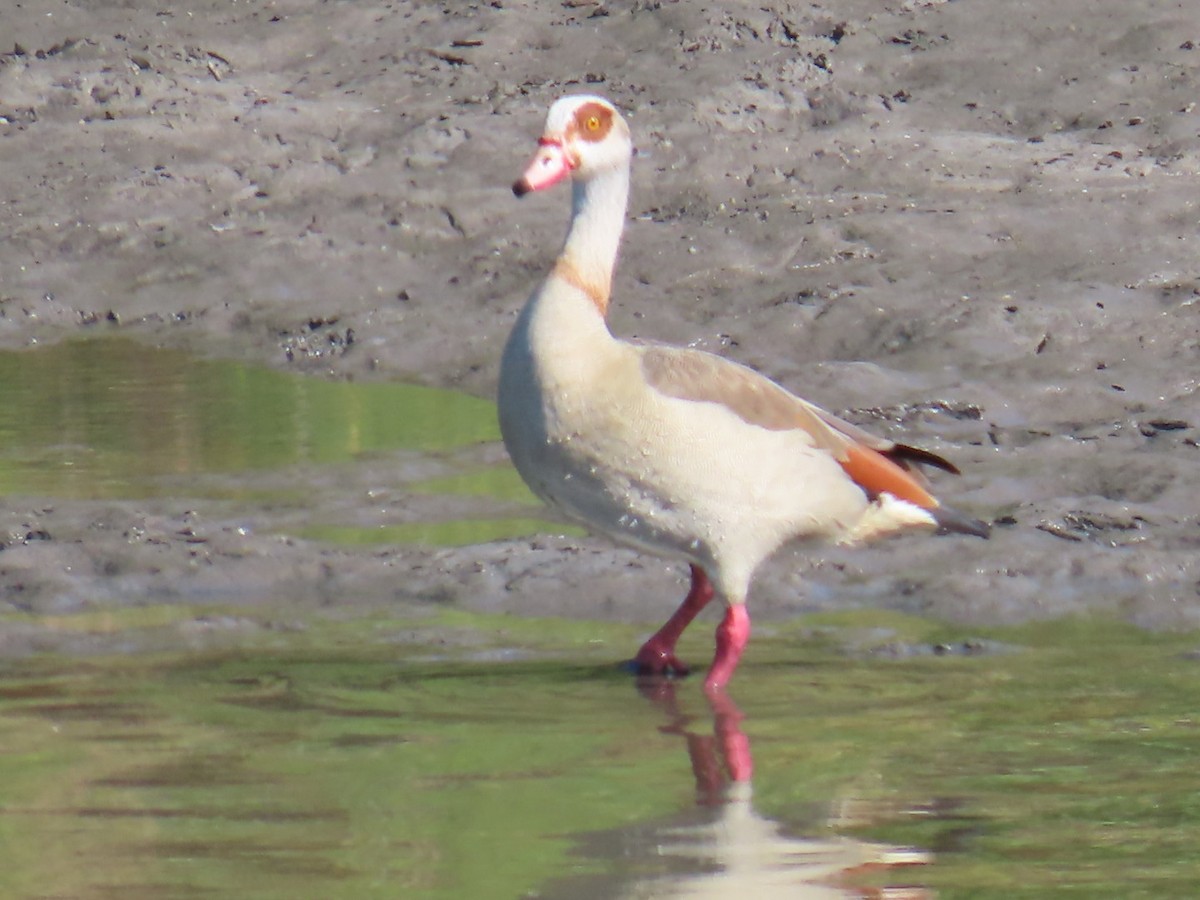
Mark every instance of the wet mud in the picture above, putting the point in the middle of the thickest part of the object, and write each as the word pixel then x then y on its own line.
pixel 970 226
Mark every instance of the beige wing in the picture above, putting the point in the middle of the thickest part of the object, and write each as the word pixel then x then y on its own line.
pixel 876 464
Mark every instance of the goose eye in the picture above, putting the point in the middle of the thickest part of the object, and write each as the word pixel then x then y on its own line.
pixel 592 122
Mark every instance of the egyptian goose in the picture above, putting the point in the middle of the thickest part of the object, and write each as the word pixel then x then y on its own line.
pixel 676 451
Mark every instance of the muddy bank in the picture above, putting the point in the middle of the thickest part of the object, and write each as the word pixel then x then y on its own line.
pixel 970 225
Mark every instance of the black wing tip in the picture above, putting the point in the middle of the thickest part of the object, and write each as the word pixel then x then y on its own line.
pixel 905 453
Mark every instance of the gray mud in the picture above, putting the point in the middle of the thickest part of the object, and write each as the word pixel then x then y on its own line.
pixel 970 225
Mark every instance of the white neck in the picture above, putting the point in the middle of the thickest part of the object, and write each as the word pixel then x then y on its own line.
pixel 597 219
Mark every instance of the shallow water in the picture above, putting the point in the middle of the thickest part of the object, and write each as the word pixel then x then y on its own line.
pixel 352 761
pixel 110 418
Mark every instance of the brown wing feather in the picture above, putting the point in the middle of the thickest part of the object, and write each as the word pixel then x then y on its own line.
pixel 703 377
pixel 876 464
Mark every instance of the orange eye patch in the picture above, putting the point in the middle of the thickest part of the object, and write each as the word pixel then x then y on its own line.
pixel 593 122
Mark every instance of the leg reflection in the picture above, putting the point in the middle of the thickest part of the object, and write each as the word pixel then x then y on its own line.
pixel 719 758
pixel 741 853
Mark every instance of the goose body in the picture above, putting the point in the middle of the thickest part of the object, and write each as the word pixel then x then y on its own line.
pixel 675 451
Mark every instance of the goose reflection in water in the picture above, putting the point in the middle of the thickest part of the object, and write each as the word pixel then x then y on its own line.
pixel 725 848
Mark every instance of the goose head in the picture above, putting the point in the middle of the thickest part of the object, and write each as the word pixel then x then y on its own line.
pixel 584 136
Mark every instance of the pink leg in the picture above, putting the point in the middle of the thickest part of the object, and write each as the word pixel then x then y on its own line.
pixel 657 656
pixel 732 634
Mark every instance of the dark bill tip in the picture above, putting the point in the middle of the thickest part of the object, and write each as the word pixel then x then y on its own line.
pixel 521 187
